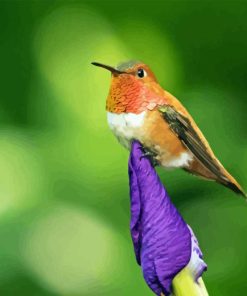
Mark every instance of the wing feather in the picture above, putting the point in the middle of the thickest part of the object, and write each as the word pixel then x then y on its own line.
pixel 184 130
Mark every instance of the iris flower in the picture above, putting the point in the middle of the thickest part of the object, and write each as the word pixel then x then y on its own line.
pixel 165 246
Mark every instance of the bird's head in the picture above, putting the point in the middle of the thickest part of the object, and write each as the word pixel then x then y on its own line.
pixel 134 88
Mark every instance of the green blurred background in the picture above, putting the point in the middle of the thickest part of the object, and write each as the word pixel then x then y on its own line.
pixel 64 200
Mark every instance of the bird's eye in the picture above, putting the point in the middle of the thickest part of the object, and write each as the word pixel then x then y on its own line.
pixel 141 73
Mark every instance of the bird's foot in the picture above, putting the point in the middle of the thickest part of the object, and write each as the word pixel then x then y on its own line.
pixel 150 155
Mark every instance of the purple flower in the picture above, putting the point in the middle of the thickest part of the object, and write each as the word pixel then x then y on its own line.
pixel 164 244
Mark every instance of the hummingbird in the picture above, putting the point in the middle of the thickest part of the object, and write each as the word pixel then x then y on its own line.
pixel 138 108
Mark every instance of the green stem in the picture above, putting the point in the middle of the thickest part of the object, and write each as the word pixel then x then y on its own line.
pixel 184 285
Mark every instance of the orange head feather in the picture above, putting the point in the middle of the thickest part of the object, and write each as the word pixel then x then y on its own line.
pixel 134 88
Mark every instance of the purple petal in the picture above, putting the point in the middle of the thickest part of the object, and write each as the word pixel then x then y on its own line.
pixel 162 240
pixel 196 265
pixel 135 213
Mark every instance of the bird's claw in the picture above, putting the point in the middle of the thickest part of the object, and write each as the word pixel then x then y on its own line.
pixel 150 155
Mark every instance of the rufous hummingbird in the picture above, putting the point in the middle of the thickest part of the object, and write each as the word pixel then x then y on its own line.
pixel 139 108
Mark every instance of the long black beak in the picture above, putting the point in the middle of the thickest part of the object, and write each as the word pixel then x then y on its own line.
pixel 111 69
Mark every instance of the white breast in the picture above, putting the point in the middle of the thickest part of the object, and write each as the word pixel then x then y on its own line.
pixel 126 126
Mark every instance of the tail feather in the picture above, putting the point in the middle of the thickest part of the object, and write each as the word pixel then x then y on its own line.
pixel 234 186
pixel 224 178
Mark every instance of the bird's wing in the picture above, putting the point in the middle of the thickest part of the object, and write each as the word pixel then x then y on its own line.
pixel 184 130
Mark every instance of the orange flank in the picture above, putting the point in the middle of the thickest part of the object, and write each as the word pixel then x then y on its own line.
pixel 159 138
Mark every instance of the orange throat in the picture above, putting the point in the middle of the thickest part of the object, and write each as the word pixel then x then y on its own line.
pixel 127 95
